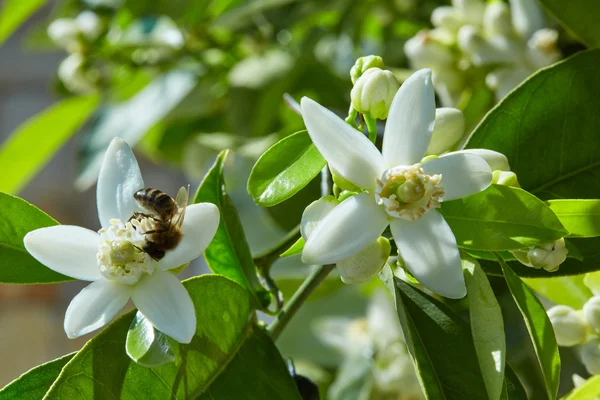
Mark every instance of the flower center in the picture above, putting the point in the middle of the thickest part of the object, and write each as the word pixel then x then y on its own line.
pixel 407 192
pixel 120 256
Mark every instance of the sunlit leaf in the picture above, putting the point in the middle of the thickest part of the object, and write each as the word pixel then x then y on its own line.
pixel 34 143
pixel 580 217
pixel 148 346
pixel 284 169
pixel 14 13
pixel 539 327
pixel 568 290
pixel 501 218
pixel 588 391
pixel 229 253
pixel 18 217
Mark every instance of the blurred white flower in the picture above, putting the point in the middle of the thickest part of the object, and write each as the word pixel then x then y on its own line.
pixel 401 190
pixel 76 75
pixel 569 326
pixel 589 354
pixel 72 34
pixel 111 259
pixel 256 71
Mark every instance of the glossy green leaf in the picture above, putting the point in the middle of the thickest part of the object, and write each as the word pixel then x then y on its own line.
pixel 440 343
pixel 229 253
pixel 548 128
pixel 284 169
pixel 34 143
pixel 568 290
pixel 487 327
pixel 14 13
pixel 513 389
pixel 294 249
pixel 588 391
pixel 501 218
pixel 34 384
pixel 17 218
pixel 539 327
pixel 131 119
pixel 148 346
pixel 227 352
pixel 580 217
pixel 580 18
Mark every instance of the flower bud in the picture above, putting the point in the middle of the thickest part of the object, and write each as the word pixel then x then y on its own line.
pixel 76 76
pixel 496 19
pixel 591 313
pixel 505 178
pixel 448 129
pixel 470 10
pixel 496 160
pixel 365 264
pixel 362 64
pixel 446 17
pixel 569 327
pixel 548 256
pixel 64 32
pixel 314 213
pixel 527 17
pixel 423 52
pixel 90 25
pixel 590 356
pixel 373 93
pixel 542 48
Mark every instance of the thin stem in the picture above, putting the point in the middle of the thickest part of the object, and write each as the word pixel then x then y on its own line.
pixel 372 128
pixel 266 259
pixel 317 276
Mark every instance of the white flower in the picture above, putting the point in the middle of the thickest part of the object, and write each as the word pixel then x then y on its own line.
pixel 449 128
pixel 76 75
pixel 111 259
pixel 590 356
pixel 400 191
pixel 569 326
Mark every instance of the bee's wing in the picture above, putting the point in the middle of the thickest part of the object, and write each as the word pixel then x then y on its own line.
pixel 181 200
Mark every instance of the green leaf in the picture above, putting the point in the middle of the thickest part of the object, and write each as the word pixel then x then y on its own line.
pixel 501 218
pixel 284 169
pixel 548 128
pixel 34 143
pixel 18 266
pixel 294 249
pixel 34 384
pixel 148 346
pixel 568 290
pixel 588 391
pixel 14 13
pixel 487 327
pixel 580 217
pixel 539 327
pixel 580 18
pixel 227 352
pixel 130 120
pixel 513 389
pixel 229 253
pixel 439 342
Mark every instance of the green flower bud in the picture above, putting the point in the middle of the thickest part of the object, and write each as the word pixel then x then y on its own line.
pixel 590 356
pixel 548 256
pixel 569 326
pixel 362 64
pixel 506 178
pixel 591 313
pixel 448 129
pixel 373 93
pixel 365 264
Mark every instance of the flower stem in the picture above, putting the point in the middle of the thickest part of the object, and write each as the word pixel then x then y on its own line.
pixel 372 128
pixel 317 276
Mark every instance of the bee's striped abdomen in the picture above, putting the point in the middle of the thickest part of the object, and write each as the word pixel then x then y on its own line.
pixel 156 201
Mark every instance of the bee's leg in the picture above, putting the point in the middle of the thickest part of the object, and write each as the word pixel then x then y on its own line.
pixel 162 230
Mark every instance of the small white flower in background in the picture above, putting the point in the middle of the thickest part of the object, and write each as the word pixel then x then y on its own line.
pixel 589 354
pixel 112 261
pixel 548 256
pixel 359 267
pixel 569 325
pixel 379 338
pixel 76 75
pixel 71 33
pixel 401 190
pixel 591 313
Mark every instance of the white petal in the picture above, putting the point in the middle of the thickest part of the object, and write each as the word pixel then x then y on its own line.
pixel 429 250
pixel 119 179
pixel 496 160
pixel 95 306
pixel 410 121
pixel 314 214
pixel 347 150
pixel 462 174
pixel 357 222
pixel 164 301
pixel 69 250
pixel 527 17
pixel 199 227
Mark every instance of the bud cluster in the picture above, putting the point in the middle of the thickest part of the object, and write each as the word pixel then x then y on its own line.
pixel 506 44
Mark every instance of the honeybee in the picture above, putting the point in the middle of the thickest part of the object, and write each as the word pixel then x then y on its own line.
pixel 167 217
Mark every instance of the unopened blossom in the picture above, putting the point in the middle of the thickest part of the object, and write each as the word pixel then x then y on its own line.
pixel 113 261
pixel 547 256
pixel 400 190
pixel 591 313
pixel 373 92
pixel 570 328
